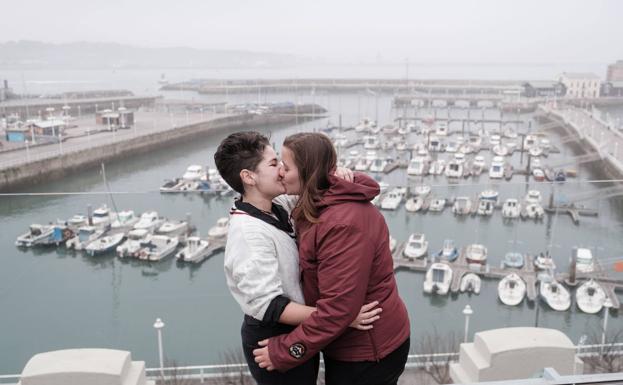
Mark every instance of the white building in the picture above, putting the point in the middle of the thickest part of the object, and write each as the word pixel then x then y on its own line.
pixel 581 85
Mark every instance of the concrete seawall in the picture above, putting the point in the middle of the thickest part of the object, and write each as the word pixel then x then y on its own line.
pixel 25 175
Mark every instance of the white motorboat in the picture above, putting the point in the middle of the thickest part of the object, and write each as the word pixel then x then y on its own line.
pixel 104 244
pixel 438 279
pixel 196 250
pixel 220 229
pixel 173 228
pixel 466 148
pixel 434 144
pixel 362 164
pixel 452 146
pixel 470 283
pixel 478 165
pixel 584 260
pixel 590 297
pixel 392 200
pixel 511 289
pixel 535 151
pixel 37 234
pixel 538 174
pixel 511 208
pixel 489 195
pixel 402 146
pixel 422 190
pixel 378 165
pixel 530 141
pixel 437 205
pixel 448 252
pixel 510 133
pixel 496 171
pixel 365 125
pixel 462 206
pixel 475 141
pixel 157 248
pixel 371 142
pixel 437 167
pixel 383 186
pixel 125 220
pixel 389 129
pixel 454 169
pixel 544 261
pixel 460 158
pixel 416 247
pixel 533 196
pixel 555 295
pixel 417 166
pixel 414 204
pixel 476 253
pixel 103 217
pixel 485 207
pixel 500 150
pixel 86 235
pixel 77 221
pixel 495 140
pixel 532 211
pixel 149 221
pixel 132 245
pixel 193 172
pixel 441 129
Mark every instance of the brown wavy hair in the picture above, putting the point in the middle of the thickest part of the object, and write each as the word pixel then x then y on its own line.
pixel 316 160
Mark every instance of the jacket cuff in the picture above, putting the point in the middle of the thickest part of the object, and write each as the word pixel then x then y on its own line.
pixel 274 310
pixel 282 361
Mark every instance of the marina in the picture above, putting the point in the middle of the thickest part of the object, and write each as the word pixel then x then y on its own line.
pixel 184 294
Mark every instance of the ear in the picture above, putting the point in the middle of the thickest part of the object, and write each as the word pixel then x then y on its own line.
pixel 247 177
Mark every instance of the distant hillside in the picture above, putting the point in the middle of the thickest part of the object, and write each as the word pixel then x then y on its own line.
pixel 32 54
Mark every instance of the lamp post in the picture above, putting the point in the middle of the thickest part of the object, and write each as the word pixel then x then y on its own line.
pixel 607 306
pixel 158 325
pixel 467 311
pixel 27 152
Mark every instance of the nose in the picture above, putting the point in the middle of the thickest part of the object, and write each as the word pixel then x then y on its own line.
pixel 281 170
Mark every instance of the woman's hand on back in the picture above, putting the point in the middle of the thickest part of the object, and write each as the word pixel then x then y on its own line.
pixel 368 314
pixel 344 173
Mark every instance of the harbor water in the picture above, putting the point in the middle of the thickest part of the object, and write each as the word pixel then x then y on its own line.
pixel 52 299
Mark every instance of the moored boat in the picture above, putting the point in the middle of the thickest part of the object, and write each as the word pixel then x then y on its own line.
pixel 470 283
pixel 511 289
pixel 438 279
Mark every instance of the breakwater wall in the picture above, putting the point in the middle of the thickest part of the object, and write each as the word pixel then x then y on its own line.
pixel 19 178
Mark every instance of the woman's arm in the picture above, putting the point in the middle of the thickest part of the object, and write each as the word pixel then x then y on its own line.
pixel 295 313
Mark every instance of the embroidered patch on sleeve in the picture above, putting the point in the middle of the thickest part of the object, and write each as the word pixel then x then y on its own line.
pixel 297 350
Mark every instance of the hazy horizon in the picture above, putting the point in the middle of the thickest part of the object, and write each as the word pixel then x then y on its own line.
pixel 446 31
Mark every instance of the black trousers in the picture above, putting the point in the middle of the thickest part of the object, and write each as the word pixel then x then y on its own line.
pixel 253 331
pixel 384 372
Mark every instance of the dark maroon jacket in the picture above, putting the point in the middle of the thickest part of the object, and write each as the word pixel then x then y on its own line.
pixel 345 263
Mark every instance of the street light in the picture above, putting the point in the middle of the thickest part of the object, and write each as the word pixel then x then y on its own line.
pixel 607 306
pixel 158 325
pixel 467 311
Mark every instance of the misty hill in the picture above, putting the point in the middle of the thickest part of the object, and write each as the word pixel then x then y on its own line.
pixel 32 54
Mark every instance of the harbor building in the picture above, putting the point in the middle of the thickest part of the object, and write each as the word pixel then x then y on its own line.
pixel 615 72
pixel 581 85
pixel 536 88
pixel 612 88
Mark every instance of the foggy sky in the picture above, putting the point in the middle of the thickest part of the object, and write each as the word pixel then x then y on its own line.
pixel 535 31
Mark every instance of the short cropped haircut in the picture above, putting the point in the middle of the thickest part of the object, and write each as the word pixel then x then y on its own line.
pixel 237 152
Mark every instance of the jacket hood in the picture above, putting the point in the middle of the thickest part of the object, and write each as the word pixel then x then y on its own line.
pixel 361 189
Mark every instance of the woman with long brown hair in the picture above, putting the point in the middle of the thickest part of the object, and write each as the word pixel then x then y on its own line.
pixel 345 261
